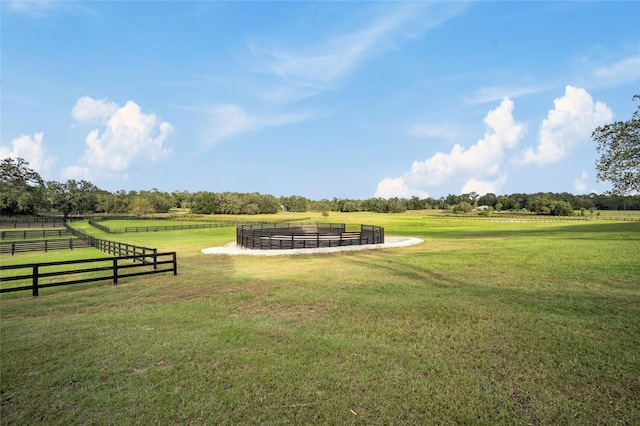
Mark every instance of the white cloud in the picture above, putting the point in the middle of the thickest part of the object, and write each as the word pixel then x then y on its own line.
pixel 495 93
pixel 481 159
pixel 32 150
pixel 127 134
pixel 477 163
pixel 569 124
pixel 395 187
pixel 482 187
pixel 88 110
pixel 623 71
pixel 580 183
pixel 77 173
pixel 231 120
pixel 320 66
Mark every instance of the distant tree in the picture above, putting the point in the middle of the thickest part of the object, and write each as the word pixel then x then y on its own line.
pixel 161 201
pixel 561 208
pixel 204 203
pixel 470 197
pixel 452 200
pixel 619 146
pixel 323 205
pixel 267 204
pixel 112 203
pixel 295 203
pixel 488 199
pixel 21 188
pixel 539 204
pixel 73 197
pixel 180 199
pixel 349 206
pixel 140 206
pixel 462 207
pixel 505 203
pixel 415 203
pixel 396 205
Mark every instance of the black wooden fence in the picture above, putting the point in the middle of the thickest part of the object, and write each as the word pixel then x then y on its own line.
pixel 14 247
pixel 32 233
pixel 42 275
pixel 279 236
pixel 31 221
pixel 127 229
pixel 114 247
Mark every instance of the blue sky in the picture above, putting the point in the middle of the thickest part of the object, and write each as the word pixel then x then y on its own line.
pixel 319 99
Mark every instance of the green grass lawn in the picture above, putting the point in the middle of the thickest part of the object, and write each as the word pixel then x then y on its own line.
pixel 483 323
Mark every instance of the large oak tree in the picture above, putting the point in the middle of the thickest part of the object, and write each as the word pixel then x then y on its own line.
pixel 21 188
pixel 619 147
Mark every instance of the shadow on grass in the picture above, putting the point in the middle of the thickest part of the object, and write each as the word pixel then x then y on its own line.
pixel 589 230
pixel 410 272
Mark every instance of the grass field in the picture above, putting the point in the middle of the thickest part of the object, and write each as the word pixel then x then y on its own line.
pixel 483 323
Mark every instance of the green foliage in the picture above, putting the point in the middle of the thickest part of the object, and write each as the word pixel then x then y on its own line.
pixel 21 188
pixel 619 146
pixel 234 203
pixel 73 197
pixel 561 208
pixel 462 207
pixel 295 203
pixel 141 206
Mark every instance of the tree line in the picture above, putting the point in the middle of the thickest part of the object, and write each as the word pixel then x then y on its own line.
pixel 24 192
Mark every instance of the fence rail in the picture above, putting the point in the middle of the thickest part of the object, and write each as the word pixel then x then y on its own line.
pixel 278 236
pixel 14 247
pixel 32 233
pixel 104 269
pixel 132 229
pixel 114 247
pixel 30 222
pixel 532 218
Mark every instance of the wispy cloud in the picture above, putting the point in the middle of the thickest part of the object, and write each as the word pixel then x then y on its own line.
pixel 623 71
pixel 227 121
pixel 320 67
pixel 496 93
pixel 42 9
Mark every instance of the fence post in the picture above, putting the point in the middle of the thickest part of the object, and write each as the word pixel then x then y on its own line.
pixel 13 248
pixel 45 246
pixel 115 271
pixel 175 264
pixel 35 281
pixel 155 258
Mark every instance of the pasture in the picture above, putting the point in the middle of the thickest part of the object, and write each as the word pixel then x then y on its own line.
pixel 483 323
